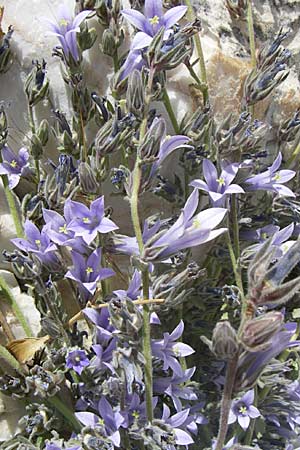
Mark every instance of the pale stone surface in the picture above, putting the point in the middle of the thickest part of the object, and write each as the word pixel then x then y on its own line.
pixel 223 40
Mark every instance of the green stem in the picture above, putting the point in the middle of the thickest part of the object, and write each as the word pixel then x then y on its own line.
pixel 134 199
pixel 198 45
pixel 116 62
pixel 251 34
pixel 235 225
pixel 168 106
pixel 4 288
pixel 10 197
pixel 237 275
pixel 8 357
pixel 32 126
pixel 64 411
pixel 226 401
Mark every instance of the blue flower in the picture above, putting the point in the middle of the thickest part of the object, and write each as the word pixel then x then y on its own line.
pixel 242 410
pixel 77 360
pixel 13 166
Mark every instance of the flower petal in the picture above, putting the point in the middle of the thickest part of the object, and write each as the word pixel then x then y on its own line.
pixel 174 15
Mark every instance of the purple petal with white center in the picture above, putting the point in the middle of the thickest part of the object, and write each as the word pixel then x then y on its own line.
pixel 210 175
pixel 209 218
pixel 174 15
pixel 179 418
pixel 248 398
pixel 140 40
pixel 88 419
pixel 253 412
pixel 71 40
pixel 232 417
pixel 229 173
pixel 107 225
pixel 244 421
pixel 31 231
pixel 182 437
pixel 137 19
pixel 170 144
pixel 23 155
pixel 75 210
pixel 234 189
pixel 13 180
pixel 283 235
pixel 276 164
pixel 153 8
pixel 285 175
pixel 97 207
pixel 283 191
pixel 199 184
pixel 81 17
pixel 177 332
pixel 182 350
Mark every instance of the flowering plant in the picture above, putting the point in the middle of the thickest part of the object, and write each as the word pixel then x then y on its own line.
pixel 157 316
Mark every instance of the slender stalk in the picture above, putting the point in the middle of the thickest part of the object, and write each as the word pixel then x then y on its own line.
pixel 11 200
pixel 9 358
pixel 6 291
pixel 200 54
pixel 137 175
pixel 65 412
pixel 226 401
pixel 32 126
pixel 169 109
pixel 250 431
pixel 116 62
pixel 237 275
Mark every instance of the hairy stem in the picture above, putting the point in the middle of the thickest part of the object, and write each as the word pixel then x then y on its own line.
pixel 198 45
pixel 7 294
pixel 226 402
pixel 32 126
pixel 134 199
pixel 169 109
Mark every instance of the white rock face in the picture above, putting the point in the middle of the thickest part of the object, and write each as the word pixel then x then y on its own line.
pixel 223 41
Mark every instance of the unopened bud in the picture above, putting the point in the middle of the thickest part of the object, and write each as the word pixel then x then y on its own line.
pixel 6 56
pixel 135 97
pixel 36 147
pixel 151 143
pixel 257 332
pixel 109 46
pixel 86 37
pixel 43 132
pixel 88 182
pixel 36 84
pixel 224 341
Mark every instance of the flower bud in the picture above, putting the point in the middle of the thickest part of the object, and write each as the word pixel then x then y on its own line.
pixel 3 126
pixel 88 182
pixel 257 332
pixel 135 97
pixel 109 45
pixel 6 58
pixel 36 84
pixel 43 132
pixel 224 341
pixel 151 144
pixel 36 147
pixel 86 37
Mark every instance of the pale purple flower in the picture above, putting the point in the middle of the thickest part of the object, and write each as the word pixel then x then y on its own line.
pixel 13 166
pixel 136 409
pixel 77 360
pixel 250 364
pixel 101 318
pixel 109 421
pixel 103 356
pixel 188 231
pixel 87 222
pixel 243 410
pixel 176 387
pixel 88 271
pixel 152 21
pixel 167 349
pixel 175 421
pixel 66 27
pixel 218 187
pixel 272 180
pixel 52 446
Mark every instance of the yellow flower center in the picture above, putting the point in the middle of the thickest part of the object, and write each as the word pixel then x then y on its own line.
pixel 63 229
pixel 89 270
pixel 13 163
pixel 86 220
pixel 37 241
pixel 264 235
pixel 243 410
pixel 77 358
pixel 64 22
pixel 276 176
pixel 168 136
pixel 221 181
pixel 154 20
pixel 101 421
pixel 196 223
pixel 135 414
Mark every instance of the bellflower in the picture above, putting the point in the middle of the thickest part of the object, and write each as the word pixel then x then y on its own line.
pixel 251 364
pixel 100 318
pixel 109 421
pixel 135 409
pixel 103 355
pixel 13 166
pixel 77 360
pixel 218 187
pixel 66 28
pixel 188 231
pixel 88 271
pixel 243 410
pixel 152 21
pixel 167 349
pixel 175 421
pixel 272 180
pixel 52 446
pixel 87 222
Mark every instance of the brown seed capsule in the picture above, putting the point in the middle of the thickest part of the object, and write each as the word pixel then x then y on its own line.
pixel 224 341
